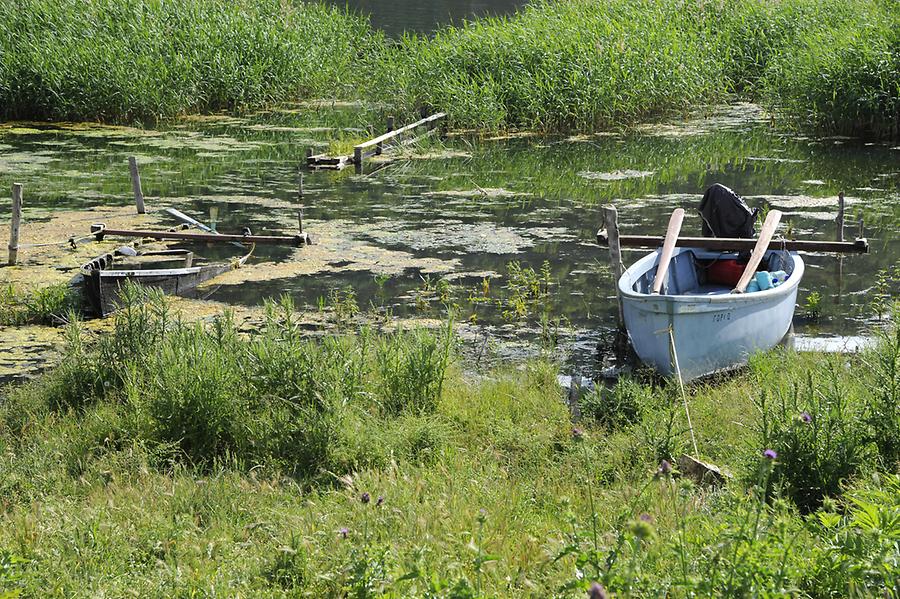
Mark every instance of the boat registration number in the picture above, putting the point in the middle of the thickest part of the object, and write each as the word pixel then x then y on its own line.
pixel 722 317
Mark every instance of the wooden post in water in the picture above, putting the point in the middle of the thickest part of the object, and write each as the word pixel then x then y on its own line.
pixel 615 252
pixel 839 236
pixel 15 222
pixel 136 184
pixel 615 261
pixel 840 218
pixel 390 127
pixel 358 159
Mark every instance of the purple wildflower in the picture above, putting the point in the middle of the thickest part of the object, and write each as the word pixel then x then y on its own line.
pixel 379 501
pixel 577 433
pixel 344 532
pixel 665 468
pixel 365 497
pixel 597 591
pixel 770 454
pixel 645 517
pixel 805 417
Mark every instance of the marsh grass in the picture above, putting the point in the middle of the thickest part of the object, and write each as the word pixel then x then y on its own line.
pixel 105 60
pixel 49 305
pixel 842 78
pixel 828 64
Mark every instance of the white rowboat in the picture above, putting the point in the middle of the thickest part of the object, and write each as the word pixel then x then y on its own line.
pixel 713 329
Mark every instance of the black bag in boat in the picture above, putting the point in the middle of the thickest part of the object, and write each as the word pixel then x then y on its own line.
pixel 725 214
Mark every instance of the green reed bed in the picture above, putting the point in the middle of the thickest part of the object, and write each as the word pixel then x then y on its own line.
pixel 142 60
pixel 556 65
pixel 171 459
pixel 561 65
pixel 579 65
pixel 843 79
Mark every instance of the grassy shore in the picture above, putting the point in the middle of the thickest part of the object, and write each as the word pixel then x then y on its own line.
pixel 170 459
pixel 828 65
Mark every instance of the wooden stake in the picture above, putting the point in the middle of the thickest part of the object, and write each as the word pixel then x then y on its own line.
pixel 136 184
pixel 840 217
pixel 358 159
pixel 15 222
pixel 615 253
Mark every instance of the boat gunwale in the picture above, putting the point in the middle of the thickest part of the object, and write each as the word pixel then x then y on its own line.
pixel 644 264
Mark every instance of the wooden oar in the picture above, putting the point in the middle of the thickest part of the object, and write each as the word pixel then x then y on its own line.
pixel 762 244
pixel 665 256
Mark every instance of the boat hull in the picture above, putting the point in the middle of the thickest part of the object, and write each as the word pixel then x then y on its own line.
pixel 711 332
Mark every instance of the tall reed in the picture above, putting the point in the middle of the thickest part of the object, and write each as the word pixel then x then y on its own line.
pixel 109 60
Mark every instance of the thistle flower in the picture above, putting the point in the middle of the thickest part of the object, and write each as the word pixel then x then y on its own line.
pixel 665 468
pixel 344 532
pixel 645 517
pixel 577 433
pixel 641 529
pixel 379 501
pixel 597 591
pixel 770 454
pixel 805 417
pixel 365 497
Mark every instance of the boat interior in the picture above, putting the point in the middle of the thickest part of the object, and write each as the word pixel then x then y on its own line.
pixel 150 260
pixel 689 272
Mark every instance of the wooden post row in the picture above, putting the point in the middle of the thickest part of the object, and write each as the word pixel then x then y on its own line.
pixel 136 184
pixel 15 222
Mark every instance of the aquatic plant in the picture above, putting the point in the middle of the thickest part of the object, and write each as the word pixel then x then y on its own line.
pixel 49 305
pixel 556 65
pixel 105 60
pixel 842 78
pixel 813 305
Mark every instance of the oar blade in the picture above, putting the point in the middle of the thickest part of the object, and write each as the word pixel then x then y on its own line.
pixel 762 244
pixel 665 256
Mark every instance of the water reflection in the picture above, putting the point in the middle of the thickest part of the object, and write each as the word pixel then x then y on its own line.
pixel 425 17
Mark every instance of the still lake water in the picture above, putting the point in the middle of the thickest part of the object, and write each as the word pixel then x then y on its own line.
pixel 462 211
pixel 424 17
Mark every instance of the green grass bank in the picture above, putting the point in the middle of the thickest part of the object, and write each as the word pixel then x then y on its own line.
pixel 173 459
pixel 825 65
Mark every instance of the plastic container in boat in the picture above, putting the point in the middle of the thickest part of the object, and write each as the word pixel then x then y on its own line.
pixel 764 280
pixel 779 277
pixel 725 272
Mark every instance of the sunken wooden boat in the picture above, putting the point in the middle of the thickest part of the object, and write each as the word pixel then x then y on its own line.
pixel 711 327
pixel 171 271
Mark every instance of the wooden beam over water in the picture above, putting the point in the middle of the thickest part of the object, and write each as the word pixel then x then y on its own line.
pixel 295 240
pixel 731 244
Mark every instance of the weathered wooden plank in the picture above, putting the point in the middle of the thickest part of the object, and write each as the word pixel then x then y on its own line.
pixel 391 134
pixel 730 244
pixel 296 240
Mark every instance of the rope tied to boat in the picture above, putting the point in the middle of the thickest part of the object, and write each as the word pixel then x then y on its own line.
pixel 71 241
pixel 671 332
